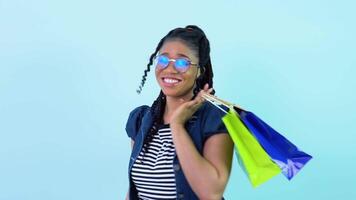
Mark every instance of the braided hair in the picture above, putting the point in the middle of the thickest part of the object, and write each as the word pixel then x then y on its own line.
pixel 196 40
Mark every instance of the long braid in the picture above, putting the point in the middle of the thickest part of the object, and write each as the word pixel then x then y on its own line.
pixel 158 110
pixel 206 71
pixel 139 90
pixel 149 66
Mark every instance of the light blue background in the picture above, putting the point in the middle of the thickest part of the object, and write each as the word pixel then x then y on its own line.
pixel 69 71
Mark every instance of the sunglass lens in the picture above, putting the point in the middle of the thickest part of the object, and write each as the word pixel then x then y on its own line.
pixel 182 64
pixel 162 61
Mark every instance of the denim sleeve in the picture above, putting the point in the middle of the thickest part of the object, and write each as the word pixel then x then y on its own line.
pixel 213 123
pixel 134 121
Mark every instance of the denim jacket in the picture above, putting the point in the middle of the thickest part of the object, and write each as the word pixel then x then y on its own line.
pixel 205 122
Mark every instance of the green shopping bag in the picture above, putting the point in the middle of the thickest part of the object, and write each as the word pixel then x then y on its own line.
pixel 255 161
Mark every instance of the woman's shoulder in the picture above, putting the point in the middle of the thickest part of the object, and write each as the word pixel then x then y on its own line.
pixel 211 119
pixel 139 109
pixel 134 120
pixel 138 112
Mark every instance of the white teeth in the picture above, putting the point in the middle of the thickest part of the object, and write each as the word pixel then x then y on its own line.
pixel 168 80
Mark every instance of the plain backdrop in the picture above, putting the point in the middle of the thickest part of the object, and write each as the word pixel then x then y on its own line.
pixel 69 70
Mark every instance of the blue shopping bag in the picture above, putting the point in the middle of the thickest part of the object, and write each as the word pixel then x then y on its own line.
pixel 283 152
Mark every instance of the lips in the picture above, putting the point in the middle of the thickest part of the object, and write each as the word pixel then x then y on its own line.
pixel 170 81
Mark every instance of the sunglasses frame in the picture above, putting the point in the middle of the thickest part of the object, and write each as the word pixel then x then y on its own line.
pixel 174 61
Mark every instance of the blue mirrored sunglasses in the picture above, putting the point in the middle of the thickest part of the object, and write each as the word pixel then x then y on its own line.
pixel 180 64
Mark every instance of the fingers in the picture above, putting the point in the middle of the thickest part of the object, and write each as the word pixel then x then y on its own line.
pixel 206 86
pixel 210 90
pixel 205 90
pixel 194 105
pixel 199 98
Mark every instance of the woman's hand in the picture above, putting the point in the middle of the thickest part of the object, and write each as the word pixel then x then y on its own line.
pixel 185 111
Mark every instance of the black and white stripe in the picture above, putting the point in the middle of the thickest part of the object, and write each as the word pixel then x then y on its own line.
pixel 152 172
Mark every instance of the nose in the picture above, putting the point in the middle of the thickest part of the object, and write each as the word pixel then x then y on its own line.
pixel 170 67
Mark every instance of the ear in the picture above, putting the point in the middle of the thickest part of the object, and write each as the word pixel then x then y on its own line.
pixel 198 74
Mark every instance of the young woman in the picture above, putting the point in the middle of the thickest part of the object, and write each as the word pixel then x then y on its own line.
pixel 180 146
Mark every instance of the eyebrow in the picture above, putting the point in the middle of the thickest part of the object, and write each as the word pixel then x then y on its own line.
pixel 179 54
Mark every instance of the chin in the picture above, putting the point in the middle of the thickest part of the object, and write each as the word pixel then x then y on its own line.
pixel 171 93
pixel 176 93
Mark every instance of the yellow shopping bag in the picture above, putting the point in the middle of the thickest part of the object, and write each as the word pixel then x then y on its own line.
pixel 256 162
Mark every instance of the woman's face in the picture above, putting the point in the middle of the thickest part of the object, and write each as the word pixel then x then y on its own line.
pixel 172 82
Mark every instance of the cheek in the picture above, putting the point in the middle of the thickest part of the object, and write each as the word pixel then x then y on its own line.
pixel 156 74
pixel 190 78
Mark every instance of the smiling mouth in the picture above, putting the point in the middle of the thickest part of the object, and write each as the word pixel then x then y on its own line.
pixel 170 81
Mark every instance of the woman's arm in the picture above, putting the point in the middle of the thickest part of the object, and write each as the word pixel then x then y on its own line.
pixel 207 174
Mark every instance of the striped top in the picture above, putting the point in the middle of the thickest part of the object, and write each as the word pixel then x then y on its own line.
pixel 152 173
